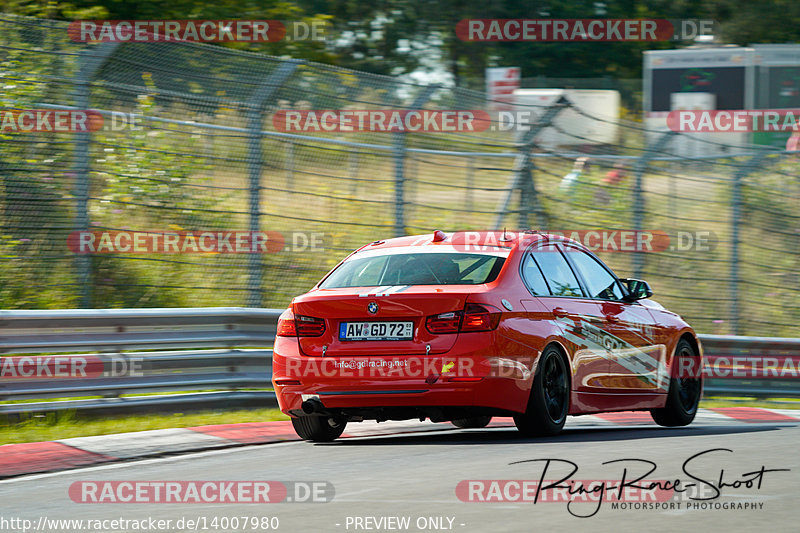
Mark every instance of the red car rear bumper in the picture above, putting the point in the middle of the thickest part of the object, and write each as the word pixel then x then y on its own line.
pixel 469 375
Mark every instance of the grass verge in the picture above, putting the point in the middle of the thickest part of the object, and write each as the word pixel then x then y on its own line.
pixel 54 426
pixel 772 403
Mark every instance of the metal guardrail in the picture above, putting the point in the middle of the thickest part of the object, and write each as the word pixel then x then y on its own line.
pixel 170 354
pixel 219 351
pixel 736 366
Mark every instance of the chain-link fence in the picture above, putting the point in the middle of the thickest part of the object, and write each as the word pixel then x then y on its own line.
pixel 205 155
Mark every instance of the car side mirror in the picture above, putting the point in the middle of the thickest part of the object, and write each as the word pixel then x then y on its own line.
pixel 637 289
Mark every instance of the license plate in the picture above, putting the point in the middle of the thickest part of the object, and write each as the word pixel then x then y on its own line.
pixel 376 331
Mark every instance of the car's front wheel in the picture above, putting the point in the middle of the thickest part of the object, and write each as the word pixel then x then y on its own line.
pixel 549 401
pixel 472 422
pixel 684 391
pixel 318 428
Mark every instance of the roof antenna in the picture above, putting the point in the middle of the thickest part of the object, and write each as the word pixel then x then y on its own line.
pixel 504 238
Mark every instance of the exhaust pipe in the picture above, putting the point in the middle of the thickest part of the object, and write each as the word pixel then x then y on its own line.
pixel 312 405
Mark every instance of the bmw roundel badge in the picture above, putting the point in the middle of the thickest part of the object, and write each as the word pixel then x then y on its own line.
pixel 372 307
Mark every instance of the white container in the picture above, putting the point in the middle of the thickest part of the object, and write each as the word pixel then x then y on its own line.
pixel 594 122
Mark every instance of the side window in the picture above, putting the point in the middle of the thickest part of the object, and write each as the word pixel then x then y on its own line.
pixel 557 272
pixel 599 281
pixel 533 277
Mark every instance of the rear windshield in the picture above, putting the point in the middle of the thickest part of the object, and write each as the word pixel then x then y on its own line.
pixel 416 269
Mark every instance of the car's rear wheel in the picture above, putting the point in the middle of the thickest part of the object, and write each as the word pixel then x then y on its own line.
pixel 318 428
pixel 684 391
pixel 472 422
pixel 548 405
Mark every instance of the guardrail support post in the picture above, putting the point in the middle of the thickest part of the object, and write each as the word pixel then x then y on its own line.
pixel 399 149
pixel 90 61
pixel 255 162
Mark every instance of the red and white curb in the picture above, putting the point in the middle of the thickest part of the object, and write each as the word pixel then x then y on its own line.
pixel 34 457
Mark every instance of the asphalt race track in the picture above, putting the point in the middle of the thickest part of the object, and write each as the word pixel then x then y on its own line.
pixel 413 475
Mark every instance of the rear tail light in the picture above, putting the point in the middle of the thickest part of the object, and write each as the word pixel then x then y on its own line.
pixel 474 317
pixel 480 318
pixel 290 325
pixel 444 323
pixel 308 326
pixel 286 324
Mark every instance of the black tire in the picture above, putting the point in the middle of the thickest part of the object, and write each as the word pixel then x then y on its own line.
pixel 318 428
pixel 472 422
pixel 684 392
pixel 548 405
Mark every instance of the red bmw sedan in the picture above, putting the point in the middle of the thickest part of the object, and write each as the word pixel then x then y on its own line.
pixel 464 326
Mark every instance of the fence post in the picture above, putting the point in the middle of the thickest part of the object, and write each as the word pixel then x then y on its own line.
pixel 523 172
pixel 638 197
pixel 736 214
pixel 469 204
pixel 90 61
pixel 353 171
pixel 290 165
pixel 399 150
pixel 255 162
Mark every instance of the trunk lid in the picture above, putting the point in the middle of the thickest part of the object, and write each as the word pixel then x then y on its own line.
pixel 394 304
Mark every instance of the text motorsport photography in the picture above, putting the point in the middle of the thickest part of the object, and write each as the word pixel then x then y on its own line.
pixel 634 489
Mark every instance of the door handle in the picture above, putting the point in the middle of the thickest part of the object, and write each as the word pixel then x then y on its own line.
pixel 560 312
